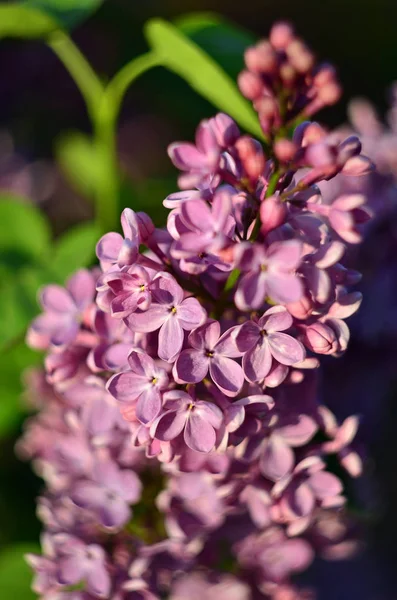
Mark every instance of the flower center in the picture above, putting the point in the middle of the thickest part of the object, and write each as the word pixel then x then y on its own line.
pixel 173 310
pixel 209 353
pixel 154 380
pixel 263 268
pixel 142 287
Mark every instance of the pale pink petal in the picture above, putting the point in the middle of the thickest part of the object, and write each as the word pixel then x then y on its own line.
pixel 258 361
pixel 227 375
pixel 199 435
pixel 170 339
pixel 286 349
pixel 191 366
pixel 276 318
pixel 277 459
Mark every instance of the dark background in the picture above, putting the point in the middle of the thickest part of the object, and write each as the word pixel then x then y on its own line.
pixel 38 101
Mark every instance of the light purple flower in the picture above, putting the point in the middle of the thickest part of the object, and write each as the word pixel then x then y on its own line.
pixel 108 493
pixel 99 410
pixel 214 353
pixel 197 419
pixel 140 388
pixel 199 161
pixel 268 273
pixel 262 341
pixel 170 313
pixel 308 486
pixel 64 309
pixel 112 249
pixel 79 562
pixel 131 290
pixel 207 231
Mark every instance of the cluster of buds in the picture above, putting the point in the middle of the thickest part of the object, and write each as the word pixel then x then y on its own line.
pixel 180 425
pixel 284 81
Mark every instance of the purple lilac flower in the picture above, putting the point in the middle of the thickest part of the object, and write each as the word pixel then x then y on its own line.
pixel 140 388
pixel 213 353
pixel 268 273
pixel 64 308
pixel 262 341
pixel 198 420
pixel 108 493
pixel 171 443
pixel 170 313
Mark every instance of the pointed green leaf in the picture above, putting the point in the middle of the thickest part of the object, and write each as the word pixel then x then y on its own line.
pixel 181 55
pixel 67 13
pixel 225 42
pixel 21 21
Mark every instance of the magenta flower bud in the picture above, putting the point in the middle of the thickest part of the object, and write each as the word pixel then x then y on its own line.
pixel 301 309
pixel 250 85
pixel 145 226
pixel 273 213
pixel 261 58
pixel 330 93
pixel 225 130
pixel 284 150
pixel 251 155
pixel 281 34
pixel 320 338
pixel 325 74
pixel 300 56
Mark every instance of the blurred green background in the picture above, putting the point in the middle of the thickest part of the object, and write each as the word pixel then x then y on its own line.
pixel 47 165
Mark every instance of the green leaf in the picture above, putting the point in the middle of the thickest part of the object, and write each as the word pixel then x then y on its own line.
pixel 21 21
pixel 12 364
pixel 24 234
pixel 68 13
pixel 75 249
pixel 225 42
pixel 80 162
pixel 181 55
pixel 15 574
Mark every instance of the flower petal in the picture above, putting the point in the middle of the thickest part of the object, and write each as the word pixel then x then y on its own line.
pixel 226 374
pixel 286 349
pixel 199 435
pixel 170 339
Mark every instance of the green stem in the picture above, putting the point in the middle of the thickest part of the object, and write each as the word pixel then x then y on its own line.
pixel 105 125
pixel 120 83
pixel 103 106
pixel 78 67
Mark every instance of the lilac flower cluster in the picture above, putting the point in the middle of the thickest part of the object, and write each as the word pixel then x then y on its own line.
pixel 180 434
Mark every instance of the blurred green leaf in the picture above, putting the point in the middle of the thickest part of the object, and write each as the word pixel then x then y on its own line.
pixel 68 13
pixel 17 20
pixel 75 249
pixel 24 233
pixel 15 574
pixel 12 364
pixel 225 42
pixel 181 55
pixel 80 162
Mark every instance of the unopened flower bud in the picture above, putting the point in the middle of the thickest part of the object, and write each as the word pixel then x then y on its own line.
pixel 272 213
pixel 250 85
pixel 320 338
pixel 281 34
pixel 251 155
pixel 261 58
pixel 301 309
